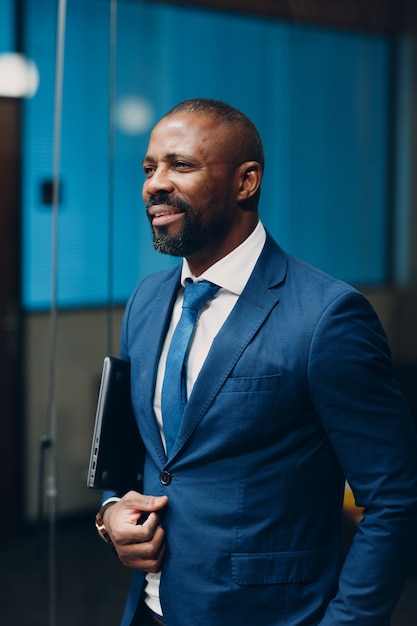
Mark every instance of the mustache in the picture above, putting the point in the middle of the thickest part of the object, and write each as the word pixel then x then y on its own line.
pixel 167 200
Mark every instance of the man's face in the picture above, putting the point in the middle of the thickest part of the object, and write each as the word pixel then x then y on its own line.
pixel 191 188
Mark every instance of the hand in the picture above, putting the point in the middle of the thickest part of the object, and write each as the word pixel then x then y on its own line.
pixel 138 545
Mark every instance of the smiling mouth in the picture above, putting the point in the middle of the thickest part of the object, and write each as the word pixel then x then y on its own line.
pixel 163 216
pixel 161 213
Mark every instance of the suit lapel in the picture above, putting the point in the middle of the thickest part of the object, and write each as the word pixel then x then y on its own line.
pixel 150 349
pixel 247 316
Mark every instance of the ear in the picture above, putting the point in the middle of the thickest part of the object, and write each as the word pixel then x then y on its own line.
pixel 250 177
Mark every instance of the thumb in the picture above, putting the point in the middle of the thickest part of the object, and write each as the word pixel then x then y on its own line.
pixel 137 501
pixel 153 503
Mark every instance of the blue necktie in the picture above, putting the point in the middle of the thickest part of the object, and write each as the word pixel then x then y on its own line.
pixel 174 386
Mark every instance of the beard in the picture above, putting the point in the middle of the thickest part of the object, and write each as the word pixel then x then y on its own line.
pixel 196 233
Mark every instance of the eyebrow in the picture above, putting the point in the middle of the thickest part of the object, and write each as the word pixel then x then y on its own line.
pixel 170 156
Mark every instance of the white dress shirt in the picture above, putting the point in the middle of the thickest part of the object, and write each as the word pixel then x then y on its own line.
pixel 231 273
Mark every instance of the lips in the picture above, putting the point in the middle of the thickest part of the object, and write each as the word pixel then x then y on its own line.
pixel 161 212
pixel 162 215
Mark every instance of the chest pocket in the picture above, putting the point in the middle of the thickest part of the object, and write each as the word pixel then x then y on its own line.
pixel 248 384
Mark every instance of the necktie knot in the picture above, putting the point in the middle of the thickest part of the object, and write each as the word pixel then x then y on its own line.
pixel 198 293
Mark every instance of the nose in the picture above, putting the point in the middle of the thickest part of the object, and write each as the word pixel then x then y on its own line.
pixel 158 181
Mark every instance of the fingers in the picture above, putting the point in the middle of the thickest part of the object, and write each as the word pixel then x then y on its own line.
pixel 135 530
pixel 129 509
pixel 140 502
pixel 126 534
pixel 146 555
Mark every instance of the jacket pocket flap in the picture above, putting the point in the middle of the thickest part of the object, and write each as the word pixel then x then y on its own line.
pixel 275 567
pixel 252 383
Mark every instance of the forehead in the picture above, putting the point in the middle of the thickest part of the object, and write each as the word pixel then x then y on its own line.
pixel 188 133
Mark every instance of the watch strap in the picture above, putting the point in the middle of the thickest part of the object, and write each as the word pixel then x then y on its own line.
pixel 99 522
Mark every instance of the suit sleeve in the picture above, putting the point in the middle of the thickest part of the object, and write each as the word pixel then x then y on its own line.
pixel 124 354
pixel 124 333
pixel 372 433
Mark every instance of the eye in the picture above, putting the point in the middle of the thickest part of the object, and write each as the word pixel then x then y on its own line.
pixel 182 165
pixel 148 170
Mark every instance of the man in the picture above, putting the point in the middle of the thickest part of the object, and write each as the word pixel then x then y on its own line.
pixel 290 392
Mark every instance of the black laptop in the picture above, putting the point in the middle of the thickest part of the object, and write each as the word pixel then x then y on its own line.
pixel 117 450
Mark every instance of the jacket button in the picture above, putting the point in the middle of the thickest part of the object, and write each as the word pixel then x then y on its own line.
pixel 165 478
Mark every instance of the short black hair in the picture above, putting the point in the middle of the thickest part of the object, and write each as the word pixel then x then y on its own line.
pixel 249 143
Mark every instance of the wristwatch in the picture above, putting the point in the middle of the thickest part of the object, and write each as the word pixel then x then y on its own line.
pixel 102 531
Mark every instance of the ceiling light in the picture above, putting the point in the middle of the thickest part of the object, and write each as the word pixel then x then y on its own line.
pixel 19 76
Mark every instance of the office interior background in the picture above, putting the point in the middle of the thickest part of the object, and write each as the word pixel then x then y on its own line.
pixel 332 88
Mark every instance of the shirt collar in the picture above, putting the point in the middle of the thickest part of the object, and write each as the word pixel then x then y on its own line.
pixel 232 271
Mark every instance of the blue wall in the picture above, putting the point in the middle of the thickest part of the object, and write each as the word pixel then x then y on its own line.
pixel 319 98
pixel 7 26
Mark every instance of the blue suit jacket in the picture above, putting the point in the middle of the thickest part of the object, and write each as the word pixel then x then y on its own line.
pixel 296 394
